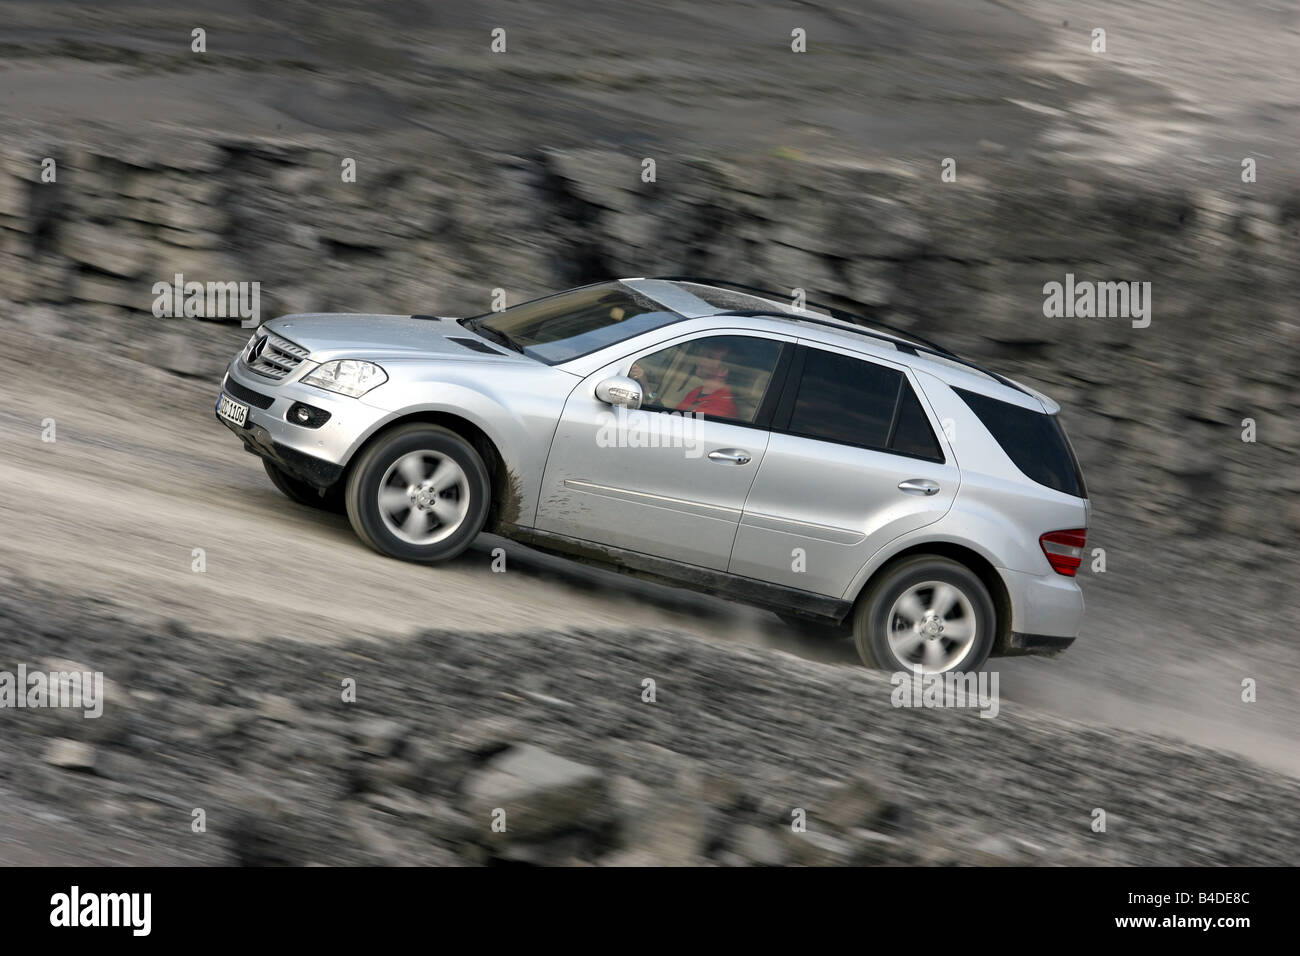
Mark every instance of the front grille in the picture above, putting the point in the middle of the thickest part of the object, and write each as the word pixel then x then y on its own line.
pixel 244 394
pixel 277 357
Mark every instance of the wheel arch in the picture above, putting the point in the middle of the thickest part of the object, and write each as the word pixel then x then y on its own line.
pixel 968 557
pixel 504 506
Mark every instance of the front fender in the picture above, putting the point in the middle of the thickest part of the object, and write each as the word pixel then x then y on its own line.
pixel 521 431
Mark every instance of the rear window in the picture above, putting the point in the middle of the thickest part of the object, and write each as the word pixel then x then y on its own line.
pixel 1034 441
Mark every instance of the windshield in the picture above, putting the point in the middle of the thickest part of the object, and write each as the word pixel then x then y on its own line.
pixel 565 326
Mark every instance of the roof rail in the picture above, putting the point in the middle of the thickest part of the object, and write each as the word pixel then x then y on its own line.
pixel 862 325
pixel 842 315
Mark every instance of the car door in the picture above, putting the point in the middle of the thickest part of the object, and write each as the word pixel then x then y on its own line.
pixel 668 479
pixel 854 460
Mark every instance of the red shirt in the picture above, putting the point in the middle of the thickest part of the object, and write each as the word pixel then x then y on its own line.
pixel 718 403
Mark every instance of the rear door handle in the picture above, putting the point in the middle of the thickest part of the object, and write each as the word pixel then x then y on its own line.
pixel 737 456
pixel 918 486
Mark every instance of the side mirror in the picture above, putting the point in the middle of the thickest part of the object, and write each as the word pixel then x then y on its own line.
pixel 620 390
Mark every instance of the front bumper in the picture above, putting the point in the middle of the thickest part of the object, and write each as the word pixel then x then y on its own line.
pixel 314 455
pixel 317 472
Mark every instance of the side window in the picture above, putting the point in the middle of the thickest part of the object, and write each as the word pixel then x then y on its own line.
pixel 913 435
pixel 854 402
pixel 722 376
pixel 1034 441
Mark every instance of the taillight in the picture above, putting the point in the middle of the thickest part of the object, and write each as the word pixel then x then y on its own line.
pixel 1064 549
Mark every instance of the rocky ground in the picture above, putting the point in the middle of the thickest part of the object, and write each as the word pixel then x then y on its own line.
pixel 451 728
pixel 523 171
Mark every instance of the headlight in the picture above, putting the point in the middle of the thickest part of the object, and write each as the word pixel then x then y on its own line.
pixel 347 377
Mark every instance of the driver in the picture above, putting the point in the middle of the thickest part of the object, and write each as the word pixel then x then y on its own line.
pixel 710 396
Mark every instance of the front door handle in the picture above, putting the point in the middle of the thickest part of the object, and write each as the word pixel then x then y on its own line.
pixel 737 456
pixel 918 486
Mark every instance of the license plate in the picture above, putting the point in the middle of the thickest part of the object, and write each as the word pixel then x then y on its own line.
pixel 232 411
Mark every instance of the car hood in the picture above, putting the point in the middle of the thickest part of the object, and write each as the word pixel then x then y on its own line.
pixel 335 335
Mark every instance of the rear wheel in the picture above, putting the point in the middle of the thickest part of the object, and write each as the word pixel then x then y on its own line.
pixel 926 613
pixel 420 493
pixel 301 492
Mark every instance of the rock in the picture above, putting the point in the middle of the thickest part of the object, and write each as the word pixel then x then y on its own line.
pixel 112 704
pixel 565 849
pixel 814 848
pixel 385 775
pixel 71 755
pixel 487 736
pixel 540 792
pixel 546 699
pixel 635 856
pixel 224 722
pixel 858 802
pixel 380 736
pixel 760 846
pixel 995 850
pixel 869 848
pixel 401 803
pixel 109 250
pixel 130 294
pixel 716 790
pixel 42 320
pixel 13 193
pixel 179 356
pixel 670 825
pixel 272 828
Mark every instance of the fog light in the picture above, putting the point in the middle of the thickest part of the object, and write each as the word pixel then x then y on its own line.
pixel 308 416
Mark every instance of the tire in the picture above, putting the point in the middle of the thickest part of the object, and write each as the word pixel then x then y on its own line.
pixel 301 492
pixel 436 521
pixel 897 627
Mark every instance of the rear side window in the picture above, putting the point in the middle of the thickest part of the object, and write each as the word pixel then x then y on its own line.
pixel 853 402
pixel 1034 441
pixel 913 435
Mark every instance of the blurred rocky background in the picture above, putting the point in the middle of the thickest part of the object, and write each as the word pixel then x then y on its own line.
pixel 822 170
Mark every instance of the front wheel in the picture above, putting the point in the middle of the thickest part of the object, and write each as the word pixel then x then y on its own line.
pixel 420 493
pixel 926 613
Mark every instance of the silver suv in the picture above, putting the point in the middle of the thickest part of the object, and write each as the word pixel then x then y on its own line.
pixel 695 432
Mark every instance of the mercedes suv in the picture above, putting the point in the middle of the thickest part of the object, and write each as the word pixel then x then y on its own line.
pixel 695 432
